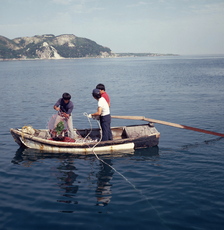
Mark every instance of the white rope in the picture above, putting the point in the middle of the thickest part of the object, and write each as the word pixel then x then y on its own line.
pixel 85 114
pixel 91 128
pixel 139 191
pixel 106 162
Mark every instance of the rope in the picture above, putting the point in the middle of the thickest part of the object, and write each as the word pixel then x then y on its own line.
pixel 85 114
pixel 91 128
pixel 106 162
pixel 139 191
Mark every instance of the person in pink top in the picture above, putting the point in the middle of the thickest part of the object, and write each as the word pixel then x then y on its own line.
pixel 103 93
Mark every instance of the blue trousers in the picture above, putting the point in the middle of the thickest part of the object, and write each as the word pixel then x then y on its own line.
pixel 105 125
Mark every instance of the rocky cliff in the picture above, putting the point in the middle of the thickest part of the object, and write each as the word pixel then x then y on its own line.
pixel 49 46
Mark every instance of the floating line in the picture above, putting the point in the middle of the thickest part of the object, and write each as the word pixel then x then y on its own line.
pixel 135 188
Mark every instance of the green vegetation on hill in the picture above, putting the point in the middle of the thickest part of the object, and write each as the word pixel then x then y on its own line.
pixel 83 48
pixel 50 46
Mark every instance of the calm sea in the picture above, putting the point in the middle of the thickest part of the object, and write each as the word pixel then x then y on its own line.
pixel 177 185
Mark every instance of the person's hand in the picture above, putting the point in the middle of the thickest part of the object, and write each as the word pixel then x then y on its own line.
pixel 65 115
pixel 89 116
pixel 96 117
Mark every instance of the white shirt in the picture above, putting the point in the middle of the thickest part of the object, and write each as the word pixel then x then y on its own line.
pixel 102 103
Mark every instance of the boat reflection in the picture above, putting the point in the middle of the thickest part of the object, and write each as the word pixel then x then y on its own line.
pixel 67 180
pixel 68 176
pixel 147 152
pixel 104 176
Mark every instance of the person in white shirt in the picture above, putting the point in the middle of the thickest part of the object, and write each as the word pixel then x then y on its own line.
pixel 103 111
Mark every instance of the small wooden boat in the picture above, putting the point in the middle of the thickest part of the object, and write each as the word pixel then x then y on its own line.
pixel 124 138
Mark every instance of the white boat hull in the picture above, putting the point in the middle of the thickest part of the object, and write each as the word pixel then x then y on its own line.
pixel 125 138
pixel 55 149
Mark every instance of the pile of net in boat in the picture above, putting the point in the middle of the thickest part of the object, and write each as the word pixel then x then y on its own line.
pixel 59 131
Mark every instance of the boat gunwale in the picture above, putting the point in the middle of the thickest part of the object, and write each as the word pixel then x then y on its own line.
pixel 40 140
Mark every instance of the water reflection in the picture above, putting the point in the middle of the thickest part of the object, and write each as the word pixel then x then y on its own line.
pixel 147 152
pixel 67 179
pixel 67 173
pixel 103 190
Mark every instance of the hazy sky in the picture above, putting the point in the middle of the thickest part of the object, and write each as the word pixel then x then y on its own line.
pixel 157 26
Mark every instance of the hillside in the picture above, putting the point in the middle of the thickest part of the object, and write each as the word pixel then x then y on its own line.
pixel 49 46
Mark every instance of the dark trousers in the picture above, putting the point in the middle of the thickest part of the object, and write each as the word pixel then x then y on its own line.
pixel 105 125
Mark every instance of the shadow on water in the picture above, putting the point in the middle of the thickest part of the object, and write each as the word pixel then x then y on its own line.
pixel 24 154
pixel 67 172
pixel 147 152
pixel 206 142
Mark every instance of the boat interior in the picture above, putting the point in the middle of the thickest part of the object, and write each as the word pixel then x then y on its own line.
pixel 122 132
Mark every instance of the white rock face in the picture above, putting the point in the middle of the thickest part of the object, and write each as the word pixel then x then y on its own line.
pixel 56 55
pixel 49 46
pixel 47 52
pixel 45 44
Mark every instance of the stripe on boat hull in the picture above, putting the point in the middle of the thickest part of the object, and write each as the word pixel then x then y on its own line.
pixel 100 150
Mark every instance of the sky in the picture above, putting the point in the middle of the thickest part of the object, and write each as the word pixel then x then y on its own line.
pixel 184 27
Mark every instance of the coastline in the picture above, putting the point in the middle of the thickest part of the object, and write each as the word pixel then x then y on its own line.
pixel 116 55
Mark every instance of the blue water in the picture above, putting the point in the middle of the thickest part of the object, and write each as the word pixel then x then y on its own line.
pixel 177 185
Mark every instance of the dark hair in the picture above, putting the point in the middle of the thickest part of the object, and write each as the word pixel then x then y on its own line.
pixel 96 93
pixel 66 96
pixel 100 86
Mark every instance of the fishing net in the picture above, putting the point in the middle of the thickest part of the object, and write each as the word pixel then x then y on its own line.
pixel 58 127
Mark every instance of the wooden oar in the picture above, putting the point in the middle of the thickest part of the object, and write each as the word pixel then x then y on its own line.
pixel 169 124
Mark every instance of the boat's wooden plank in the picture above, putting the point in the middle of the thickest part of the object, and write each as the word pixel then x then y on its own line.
pixel 124 137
